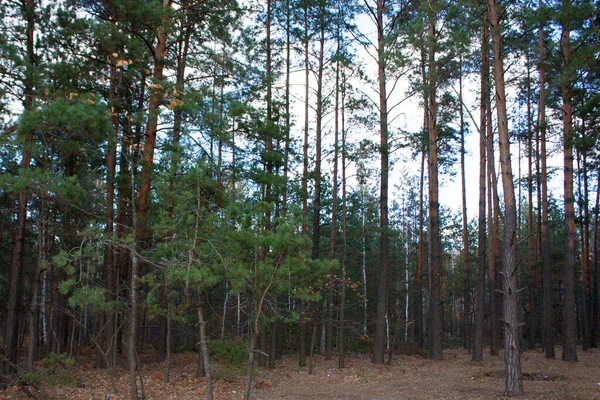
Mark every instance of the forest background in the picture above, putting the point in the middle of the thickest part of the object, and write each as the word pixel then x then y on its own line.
pixel 181 173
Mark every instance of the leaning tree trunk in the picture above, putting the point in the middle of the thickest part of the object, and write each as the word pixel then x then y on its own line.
pixel 512 356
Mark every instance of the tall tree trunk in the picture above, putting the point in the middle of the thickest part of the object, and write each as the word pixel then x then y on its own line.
pixel 342 314
pixel 531 254
pixel 595 267
pixel 547 275
pixel 379 340
pixel 316 226
pixel 34 314
pixel 584 324
pixel 481 238
pixel 585 251
pixel 419 320
pixel 143 200
pixel 109 250
pixel 302 333
pixel 156 95
pixel 334 199
pixel 512 357
pixel 494 247
pixel 15 275
pixel 466 317
pixel 435 246
pixel 133 302
pixel 569 315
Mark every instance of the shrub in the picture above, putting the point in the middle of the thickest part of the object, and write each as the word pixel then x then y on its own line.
pixel 230 351
pixel 55 370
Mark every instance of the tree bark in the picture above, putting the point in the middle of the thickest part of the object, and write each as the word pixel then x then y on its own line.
pixel 342 312
pixel 302 330
pixel 547 275
pixel 531 253
pixel 466 316
pixel 512 357
pixel 481 239
pixel 569 315
pixel 435 246
pixel 15 275
pixel 379 339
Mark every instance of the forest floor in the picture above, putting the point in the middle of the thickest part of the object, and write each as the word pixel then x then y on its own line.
pixel 409 377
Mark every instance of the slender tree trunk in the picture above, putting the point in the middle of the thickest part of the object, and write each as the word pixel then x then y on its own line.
pixel 569 315
pixel 481 249
pixel 512 357
pixel 595 267
pixel 334 199
pixel 109 250
pixel 547 275
pixel 316 232
pixel 15 276
pixel 494 248
pixel 302 339
pixel 342 321
pixel 435 247
pixel 133 301
pixel 34 315
pixel 419 320
pixel 585 252
pixel 419 336
pixel 466 317
pixel 531 254
pixel 379 340
pixel 205 355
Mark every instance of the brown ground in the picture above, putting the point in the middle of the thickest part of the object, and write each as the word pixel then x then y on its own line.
pixel 409 377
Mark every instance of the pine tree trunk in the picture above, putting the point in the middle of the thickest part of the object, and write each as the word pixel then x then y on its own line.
pixel 342 321
pixel 531 254
pixel 435 247
pixel 466 279
pixel 34 314
pixel 585 251
pixel 379 339
pixel 512 357
pixel 569 316
pixel 547 275
pixel 205 355
pixel 481 239
pixel 596 267
pixel 494 247
pixel 316 226
pixel 302 330
pixel 15 275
